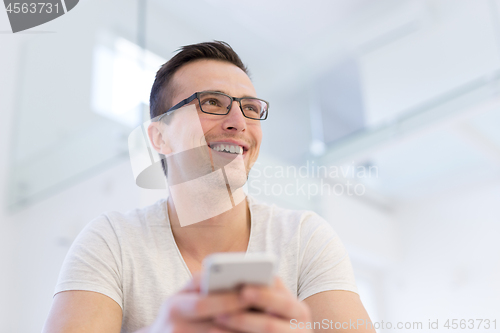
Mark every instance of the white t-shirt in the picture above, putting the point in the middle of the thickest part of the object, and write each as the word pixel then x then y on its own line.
pixel 133 258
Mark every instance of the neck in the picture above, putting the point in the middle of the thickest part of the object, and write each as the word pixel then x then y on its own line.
pixel 206 214
pixel 226 232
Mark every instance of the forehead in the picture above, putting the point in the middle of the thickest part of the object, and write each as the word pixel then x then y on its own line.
pixel 201 75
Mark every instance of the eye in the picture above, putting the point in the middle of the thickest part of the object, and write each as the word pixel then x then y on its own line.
pixel 211 102
pixel 250 108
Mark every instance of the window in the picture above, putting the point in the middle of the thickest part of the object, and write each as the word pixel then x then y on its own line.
pixel 123 74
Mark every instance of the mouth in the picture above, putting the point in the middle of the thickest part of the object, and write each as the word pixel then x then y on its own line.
pixel 228 148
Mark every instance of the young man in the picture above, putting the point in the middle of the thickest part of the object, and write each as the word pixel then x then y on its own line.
pixel 140 271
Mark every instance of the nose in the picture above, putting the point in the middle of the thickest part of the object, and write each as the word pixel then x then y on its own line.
pixel 235 120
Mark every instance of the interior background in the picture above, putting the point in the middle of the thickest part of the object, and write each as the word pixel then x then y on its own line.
pixel 407 88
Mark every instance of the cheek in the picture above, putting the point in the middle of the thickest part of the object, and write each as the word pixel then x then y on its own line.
pixel 207 125
pixel 257 135
pixel 187 132
pixel 205 128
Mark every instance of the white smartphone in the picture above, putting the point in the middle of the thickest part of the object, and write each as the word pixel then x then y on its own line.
pixel 230 270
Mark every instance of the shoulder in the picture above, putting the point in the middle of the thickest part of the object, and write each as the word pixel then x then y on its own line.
pixel 123 225
pixel 149 216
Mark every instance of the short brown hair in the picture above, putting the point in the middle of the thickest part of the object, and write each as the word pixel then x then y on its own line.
pixel 160 99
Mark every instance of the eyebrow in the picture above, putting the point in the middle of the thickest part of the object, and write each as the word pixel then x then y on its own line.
pixel 223 92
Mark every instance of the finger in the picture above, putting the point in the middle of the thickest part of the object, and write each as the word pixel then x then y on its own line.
pixel 272 301
pixel 251 322
pixel 219 330
pixel 194 327
pixel 192 306
pixel 280 286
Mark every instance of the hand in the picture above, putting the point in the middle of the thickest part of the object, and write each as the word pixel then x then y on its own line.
pixel 188 311
pixel 278 307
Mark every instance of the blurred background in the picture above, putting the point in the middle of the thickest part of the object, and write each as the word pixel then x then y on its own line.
pixel 384 119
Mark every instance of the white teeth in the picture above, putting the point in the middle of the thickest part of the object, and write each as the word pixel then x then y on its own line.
pixel 228 148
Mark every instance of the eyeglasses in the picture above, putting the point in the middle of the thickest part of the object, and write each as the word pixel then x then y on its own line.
pixel 214 102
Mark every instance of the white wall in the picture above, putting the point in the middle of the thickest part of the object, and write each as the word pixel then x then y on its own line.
pixel 34 241
pixel 450 266
pixel 8 65
pixel 433 258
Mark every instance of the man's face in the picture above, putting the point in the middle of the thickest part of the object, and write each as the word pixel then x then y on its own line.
pixel 233 128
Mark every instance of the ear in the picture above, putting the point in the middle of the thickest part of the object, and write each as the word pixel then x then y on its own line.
pixel 158 139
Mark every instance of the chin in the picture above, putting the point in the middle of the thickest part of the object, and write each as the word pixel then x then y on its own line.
pixel 236 176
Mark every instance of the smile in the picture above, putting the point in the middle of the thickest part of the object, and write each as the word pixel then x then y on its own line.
pixel 227 148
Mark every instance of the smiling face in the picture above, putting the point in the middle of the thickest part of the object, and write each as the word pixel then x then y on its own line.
pixel 225 134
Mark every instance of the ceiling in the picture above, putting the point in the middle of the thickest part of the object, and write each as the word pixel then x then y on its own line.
pixel 410 56
pixel 376 72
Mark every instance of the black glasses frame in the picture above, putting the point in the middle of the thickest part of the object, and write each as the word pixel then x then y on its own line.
pixel 196 95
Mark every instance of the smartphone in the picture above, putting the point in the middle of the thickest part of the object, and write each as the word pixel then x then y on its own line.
pixel 230 270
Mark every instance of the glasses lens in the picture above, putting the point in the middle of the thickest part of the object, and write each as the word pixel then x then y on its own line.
pixel 214 103
pixel 254 108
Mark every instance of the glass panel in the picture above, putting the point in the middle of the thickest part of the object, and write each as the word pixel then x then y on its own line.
pixel 78 101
